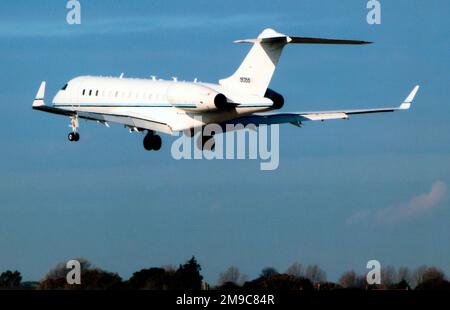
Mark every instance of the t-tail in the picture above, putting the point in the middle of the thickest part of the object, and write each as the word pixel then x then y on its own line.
pixel 255 72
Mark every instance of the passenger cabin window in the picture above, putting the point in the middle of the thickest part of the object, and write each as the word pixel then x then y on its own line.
pixel 90 92
pixel 84 91
pixel 96 93
pixel 64 87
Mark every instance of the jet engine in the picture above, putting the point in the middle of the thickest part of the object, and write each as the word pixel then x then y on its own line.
pixel 278 100
pixel 196 97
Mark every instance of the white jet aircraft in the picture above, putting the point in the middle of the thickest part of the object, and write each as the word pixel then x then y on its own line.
pixel 156 105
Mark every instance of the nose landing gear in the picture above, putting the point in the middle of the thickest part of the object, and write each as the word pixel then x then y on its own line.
pixel 74 136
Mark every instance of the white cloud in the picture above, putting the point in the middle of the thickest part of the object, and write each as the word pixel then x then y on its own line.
pixel 415 207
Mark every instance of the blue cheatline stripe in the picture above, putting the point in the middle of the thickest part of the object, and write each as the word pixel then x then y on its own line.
pixel 254 105
pixel 139 105
pixel 146 105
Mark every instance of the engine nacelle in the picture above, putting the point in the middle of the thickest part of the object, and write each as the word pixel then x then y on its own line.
pixel 278 100
pixel 187 95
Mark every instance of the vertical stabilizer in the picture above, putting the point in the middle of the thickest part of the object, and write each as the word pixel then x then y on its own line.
pixel 254 74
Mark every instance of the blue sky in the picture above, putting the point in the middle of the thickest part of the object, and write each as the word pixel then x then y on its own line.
pixel 374 187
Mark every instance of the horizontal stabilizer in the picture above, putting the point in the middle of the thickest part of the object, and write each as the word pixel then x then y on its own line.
pixel 271 36
pixel 304 40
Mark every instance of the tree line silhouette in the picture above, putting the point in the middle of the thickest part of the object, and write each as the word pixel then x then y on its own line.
pixel 187 276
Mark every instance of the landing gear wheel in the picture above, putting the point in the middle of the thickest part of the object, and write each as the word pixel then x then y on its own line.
pixel 73 137
pixel 157 143
pixel 206 143
pixel 148 143
pixel 152 142
pixel 209 144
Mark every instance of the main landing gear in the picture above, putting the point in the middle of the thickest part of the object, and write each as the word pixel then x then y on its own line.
pixel 74 136
pixel 206 143
pixel 152 142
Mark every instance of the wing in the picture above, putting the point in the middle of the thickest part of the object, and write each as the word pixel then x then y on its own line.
pixel 296 118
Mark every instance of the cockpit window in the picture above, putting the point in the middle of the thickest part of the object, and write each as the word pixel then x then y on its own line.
pixel 64 87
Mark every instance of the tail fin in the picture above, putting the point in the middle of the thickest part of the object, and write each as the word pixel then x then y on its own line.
pixel 255 72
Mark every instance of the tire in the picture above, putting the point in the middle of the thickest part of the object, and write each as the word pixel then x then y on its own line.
pixel 71 137
pixel 148 145
pixel 156 143
pixel 212 147
pixel 204 139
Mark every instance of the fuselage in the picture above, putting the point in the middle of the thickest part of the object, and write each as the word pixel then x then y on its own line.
pixel 173 100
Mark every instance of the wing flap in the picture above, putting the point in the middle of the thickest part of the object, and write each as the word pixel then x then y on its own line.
pixel 127 121
pixel 324 116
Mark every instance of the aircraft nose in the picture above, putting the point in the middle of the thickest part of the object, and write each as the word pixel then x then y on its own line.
pixel 57 98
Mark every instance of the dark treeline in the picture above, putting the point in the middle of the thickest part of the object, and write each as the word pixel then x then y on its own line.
pixel 187 276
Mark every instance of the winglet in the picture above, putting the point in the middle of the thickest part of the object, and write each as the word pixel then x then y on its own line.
pixel 39 99
pixel 407 103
